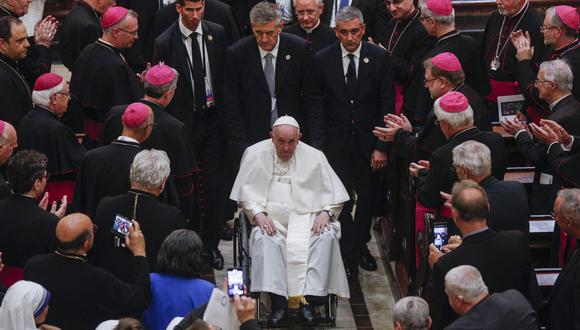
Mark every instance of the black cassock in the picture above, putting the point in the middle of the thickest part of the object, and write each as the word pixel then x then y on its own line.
pixel 156 219
pixel 169 135
pixel 81 27
pixel 100 80
pixel 41 130
pixel 104 172
pixel 321 37
pixel 5 190
pixel 15 97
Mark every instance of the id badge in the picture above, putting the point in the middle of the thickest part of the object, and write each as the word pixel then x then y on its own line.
pixel 209 97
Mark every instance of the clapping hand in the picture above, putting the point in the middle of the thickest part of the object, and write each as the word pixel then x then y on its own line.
pixel 523 45
pixel 562 136
pixel 45 30
pixel 512 126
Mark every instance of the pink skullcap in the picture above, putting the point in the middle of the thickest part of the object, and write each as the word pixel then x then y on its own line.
pixel 135 115
pixel 569 16
pixel 2 126
pixel 47 81
pixel 453 102
pixel 440 7
pixel 160 74
pixel 113 15
pixel 446 62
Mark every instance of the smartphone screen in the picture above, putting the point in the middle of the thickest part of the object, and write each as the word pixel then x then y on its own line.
pixel 121 225
pixel 235 282
pixel 440 234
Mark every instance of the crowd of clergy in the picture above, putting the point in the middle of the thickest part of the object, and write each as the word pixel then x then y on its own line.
pixel 180 114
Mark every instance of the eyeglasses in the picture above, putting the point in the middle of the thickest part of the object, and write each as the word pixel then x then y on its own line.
pixel 63 93
pixel 422 18
pixel 427 81
pixel 540 82
pixel 133 33
pixel 307 12
pixel 152 125
pixel 544 28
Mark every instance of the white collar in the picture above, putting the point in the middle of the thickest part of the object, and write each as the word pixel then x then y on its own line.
pixel 274 50
pixel 521 9
pixel 553 104
pixel 310 30
pixel 127 139
pixel 346 52
pixel 108 43
pixel 187 32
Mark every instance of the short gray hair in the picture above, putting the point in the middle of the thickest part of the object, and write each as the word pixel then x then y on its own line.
pixel 130 13
pixel 150 168
pixel 43 97
pixel 456 120
pixel 559 72
pixel 318 2
pixel 464 282
pixel 264 13
pixel 448 20
pixel 412 313
pixel 157 91
pixel 570 207
pixel 349 13
pixel 555 21
pixel 474 156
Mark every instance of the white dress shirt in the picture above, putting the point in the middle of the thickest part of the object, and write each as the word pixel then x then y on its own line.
pixel 274 53
pixel 186 32
pixel 346 59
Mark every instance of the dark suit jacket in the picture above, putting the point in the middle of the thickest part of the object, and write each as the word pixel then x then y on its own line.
pixel 505 310
pixel 509 205
pixel 215 11
pixel 367 7
pixel 565 299
pixel 441 175
pixel 169 48
pixel 81 27
pixel 25 230
pixel 247 99
pixel 375 97
pixel 566 164
pixel 503 259
pixel 5 190
pixel 322 35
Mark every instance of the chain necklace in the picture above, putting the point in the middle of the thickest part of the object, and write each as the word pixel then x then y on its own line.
pixel 392 49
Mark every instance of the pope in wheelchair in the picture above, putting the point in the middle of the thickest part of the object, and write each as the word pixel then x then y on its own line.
pixel 293 198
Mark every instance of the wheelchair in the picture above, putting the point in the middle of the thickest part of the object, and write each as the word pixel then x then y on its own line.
pixel 241 242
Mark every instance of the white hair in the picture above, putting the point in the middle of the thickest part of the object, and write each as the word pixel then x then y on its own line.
pixel 412 313
pixel 448 20
pixel 474 156
pixel 464 282
pixel 559 72
pixel 43 97
pixel 318 2
pixel 150 168
pixel 570 207
pixel 456 120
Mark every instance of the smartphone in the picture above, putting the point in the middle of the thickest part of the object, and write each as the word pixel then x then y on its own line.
pixel 440 234
pixel 235 282
pixel 121 226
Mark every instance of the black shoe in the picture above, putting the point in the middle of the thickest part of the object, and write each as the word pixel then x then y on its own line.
pixel 351 272
pixel 367 261
pixel 215 258
pixel 277 318
pixel 306 314
pixel 225 233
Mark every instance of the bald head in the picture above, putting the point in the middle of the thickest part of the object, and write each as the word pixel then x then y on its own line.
pixel 73 231
pixel 285 138
pixel 8 142
pixel 469 201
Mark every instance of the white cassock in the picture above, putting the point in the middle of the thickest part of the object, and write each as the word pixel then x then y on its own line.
pixel 293 262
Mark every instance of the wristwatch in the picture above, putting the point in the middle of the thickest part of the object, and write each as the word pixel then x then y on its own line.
pixel 330 214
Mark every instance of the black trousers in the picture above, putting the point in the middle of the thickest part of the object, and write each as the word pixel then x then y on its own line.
pixel 210 149
pixel 354 170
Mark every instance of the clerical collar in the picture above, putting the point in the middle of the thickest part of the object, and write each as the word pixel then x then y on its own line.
pixel 356 53
pixel 274 50
pixel 186 32
pixel 311 30
pixel 562 51
pixel 108 45
pixel 127 139
pixel 465 130
pixel 521 11
pixel 154 105
pixel 141 192
pixel 448 35
pixel 45 109
pixel 410 17
pixel 555 103
pixel 72 256
pixel 7 11
pixel 10 62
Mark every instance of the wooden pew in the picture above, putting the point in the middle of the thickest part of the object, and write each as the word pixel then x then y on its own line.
pixel 541 235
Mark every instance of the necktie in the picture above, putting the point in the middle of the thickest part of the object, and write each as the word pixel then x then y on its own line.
pixel 271 81
pixel 198 74
pixel 343 3
pixel 351 80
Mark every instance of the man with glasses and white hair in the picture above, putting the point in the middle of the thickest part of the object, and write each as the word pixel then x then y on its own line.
pixel 469 297
pixel 149 173
pixel 269 75
pixel 101 78
pixel 411 313
pixel 560 30
pixel 507 199
pixel 554 86
pixel 41 129
pixel 309 26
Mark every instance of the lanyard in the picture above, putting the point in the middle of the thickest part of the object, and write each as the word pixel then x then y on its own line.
pixel 391 50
